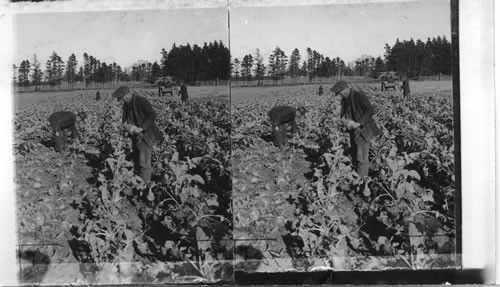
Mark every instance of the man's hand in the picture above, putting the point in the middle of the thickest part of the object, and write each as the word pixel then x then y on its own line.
pixel 355 125
pixel 127 128
pixel 350 124
pixel 136 130
pixel 133 129
pixel 345 122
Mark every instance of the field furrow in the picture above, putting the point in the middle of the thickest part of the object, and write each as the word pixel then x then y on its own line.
pixel 304 208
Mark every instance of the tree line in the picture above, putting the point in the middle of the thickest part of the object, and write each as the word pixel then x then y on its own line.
pixel 212 62
pixel 190 64
pixel 409 57
pixel 416 58
pixel 56 71
pixel 279 66
pixel 185 62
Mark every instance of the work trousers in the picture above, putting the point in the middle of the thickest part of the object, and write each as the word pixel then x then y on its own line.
pixel 60 141
pixel 359 153
pixel 142 159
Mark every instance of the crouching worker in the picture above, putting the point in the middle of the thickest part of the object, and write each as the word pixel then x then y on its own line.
pixel 280 117
pixel 357 116
pixel 60 122
pixel 139 119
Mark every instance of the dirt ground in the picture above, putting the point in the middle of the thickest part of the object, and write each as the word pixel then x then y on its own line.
pixel 219 93
pixel 238 94
pixel 426 88
pixel 50 186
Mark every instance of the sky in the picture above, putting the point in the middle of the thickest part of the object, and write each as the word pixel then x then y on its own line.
pixel 344 30
pixel 115 36
pixel 347 31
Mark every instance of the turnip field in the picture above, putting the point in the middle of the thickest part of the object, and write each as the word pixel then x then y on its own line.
pixel 223 198
pixel 303 208
pixel 83 217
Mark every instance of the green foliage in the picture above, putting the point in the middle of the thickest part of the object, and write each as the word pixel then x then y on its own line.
pixel 246 66
pixel 417 58
pixel 183 217
pixel 277 64
pixel 195 63
pixel 314 209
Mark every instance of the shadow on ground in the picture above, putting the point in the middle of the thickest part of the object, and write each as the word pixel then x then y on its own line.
pixel 34 266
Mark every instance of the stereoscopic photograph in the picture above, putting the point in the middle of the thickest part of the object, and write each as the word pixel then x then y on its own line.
pixel 343 137
pixel 122 146
pixel 240 142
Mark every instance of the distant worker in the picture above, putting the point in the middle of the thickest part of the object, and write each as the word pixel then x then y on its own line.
pixel 357 113
pixel 320 91
pixel 60 122
pixel 184 92
pixel 139 119
pixel 97 95
pixel 406 87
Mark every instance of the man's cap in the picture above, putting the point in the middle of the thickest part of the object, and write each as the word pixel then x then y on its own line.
pixel 120 92
pixel 339 86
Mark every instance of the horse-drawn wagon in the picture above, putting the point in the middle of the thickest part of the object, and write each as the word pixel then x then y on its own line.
pixel 167 85
pixel 389 80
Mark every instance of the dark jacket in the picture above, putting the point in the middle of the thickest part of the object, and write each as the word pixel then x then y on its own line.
pixel 406 87
pixel 282 114
pixel 184 93
pixel 62 120
pixel 140 113
pixel 358 108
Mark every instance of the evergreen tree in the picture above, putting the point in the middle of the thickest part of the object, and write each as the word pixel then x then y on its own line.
pixel 86 70
pixel 23 73
pixel 71 66
pixel 378 67
pixel 294 62
pixel 324 69
pixel 37 74
pixel 163 62
pixel 303 69
pixel 246 67
pixel 277 64
pixel 310 64
pixel 54 68
pixel 193 64
pixel 416 58
pixel 236 68
pixel 80 75
pixel 260 68
pixel 155 72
